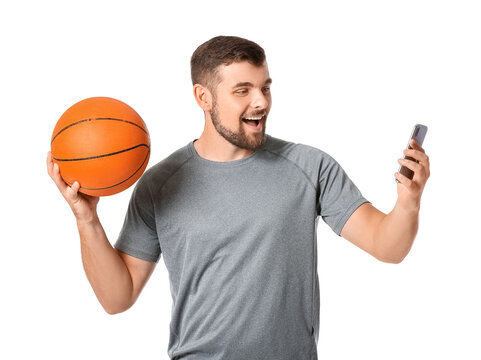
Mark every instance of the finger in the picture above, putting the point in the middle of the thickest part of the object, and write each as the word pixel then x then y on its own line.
pixel 411 165
pixel 72 190
pixel 403 179
pixel 416 155
pixel 72 194
pixel 54 172
pixel 49 163
pixel 416 146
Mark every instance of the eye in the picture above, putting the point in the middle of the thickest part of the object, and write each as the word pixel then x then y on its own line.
pixel 266 89
pixel 241 92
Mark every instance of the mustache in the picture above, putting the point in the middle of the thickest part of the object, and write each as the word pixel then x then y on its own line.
pixel 257 113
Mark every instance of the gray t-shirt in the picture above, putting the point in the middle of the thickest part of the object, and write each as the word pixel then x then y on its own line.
pixel 238 239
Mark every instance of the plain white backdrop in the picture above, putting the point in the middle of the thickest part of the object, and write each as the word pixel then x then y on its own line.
pixel 349 77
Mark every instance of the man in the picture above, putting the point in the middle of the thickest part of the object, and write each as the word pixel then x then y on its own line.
pixel 235 215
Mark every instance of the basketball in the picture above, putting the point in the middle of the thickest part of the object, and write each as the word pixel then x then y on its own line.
pixel 103 144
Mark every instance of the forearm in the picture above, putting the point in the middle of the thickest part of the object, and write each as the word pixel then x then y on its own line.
pixel 396 232
pixel 105 270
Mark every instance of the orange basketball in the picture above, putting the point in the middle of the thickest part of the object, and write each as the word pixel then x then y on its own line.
pixel 103 144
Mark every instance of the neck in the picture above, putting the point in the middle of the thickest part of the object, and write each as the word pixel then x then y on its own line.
pixel 212 146
pixel 216 148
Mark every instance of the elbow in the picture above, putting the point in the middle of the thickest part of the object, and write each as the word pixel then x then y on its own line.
pixel 113 309
pixel 115 302
pixel 393 254
pixel 392 258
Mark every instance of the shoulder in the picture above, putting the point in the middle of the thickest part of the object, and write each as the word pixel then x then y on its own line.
pixel 304 156
pixel 159 173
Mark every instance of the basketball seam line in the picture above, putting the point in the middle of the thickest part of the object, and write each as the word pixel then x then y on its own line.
pixel 103 155
pixel 92 119
pixel 108 187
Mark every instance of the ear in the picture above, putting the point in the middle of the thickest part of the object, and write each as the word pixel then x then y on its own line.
pixel 203 97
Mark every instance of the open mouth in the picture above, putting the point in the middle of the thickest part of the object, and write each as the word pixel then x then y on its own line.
pixel 253 121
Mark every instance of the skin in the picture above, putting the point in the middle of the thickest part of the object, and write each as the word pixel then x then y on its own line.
pixel 244 90
pixel 116 278
pixel 389 237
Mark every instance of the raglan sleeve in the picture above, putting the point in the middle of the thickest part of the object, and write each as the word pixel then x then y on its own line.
pixel 339 197
pixel 138 236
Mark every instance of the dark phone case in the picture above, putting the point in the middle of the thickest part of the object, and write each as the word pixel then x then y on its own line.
pixel 418 134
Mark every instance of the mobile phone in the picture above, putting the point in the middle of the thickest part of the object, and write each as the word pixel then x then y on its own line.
pixel 418 134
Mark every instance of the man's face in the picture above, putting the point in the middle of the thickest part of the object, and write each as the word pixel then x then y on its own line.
pixel 241 103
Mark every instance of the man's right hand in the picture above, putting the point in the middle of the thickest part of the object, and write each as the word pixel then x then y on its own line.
pixel 116 278
pixel 83 206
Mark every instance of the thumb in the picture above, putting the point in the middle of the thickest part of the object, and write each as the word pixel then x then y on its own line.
pixel 75 186
pixel 71 192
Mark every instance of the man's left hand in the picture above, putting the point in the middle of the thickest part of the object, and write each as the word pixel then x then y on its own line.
pixel 410 191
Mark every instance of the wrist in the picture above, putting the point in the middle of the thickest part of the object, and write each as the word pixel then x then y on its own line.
pixel 87 220
pixel 408 207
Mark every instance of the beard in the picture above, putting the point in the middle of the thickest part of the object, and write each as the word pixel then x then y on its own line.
pixel 240 138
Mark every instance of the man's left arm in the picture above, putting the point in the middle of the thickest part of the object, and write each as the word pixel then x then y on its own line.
pixel 389 237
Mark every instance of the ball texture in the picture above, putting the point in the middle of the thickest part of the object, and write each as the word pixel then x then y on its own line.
pixel 103 144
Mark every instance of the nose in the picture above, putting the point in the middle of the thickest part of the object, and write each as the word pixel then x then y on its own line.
pixel 259 100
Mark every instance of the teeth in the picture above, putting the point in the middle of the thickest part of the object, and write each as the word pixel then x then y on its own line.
pixel 253 118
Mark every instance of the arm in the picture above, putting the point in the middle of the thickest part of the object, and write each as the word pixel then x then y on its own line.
pixel 116 278
pixel 389 237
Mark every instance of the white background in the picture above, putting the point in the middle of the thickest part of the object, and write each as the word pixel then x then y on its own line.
pixel 350 77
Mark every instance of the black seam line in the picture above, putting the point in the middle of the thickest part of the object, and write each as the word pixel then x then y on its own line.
pixel 108 187
pixel 93 119
pixel 104 155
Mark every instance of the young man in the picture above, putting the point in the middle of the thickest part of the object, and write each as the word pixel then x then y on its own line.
pixel 235 215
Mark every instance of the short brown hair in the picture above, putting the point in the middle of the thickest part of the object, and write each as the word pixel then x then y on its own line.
pixel 222 50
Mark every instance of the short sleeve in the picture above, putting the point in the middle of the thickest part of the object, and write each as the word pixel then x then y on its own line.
pixel 138 236
pixel 339 197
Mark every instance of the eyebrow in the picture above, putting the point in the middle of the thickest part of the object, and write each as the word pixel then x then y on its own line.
pixel 249 84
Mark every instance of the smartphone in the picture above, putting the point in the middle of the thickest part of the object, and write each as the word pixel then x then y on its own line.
pixel 418 134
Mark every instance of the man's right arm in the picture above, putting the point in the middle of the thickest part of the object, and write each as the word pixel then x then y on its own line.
pixel 116 278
